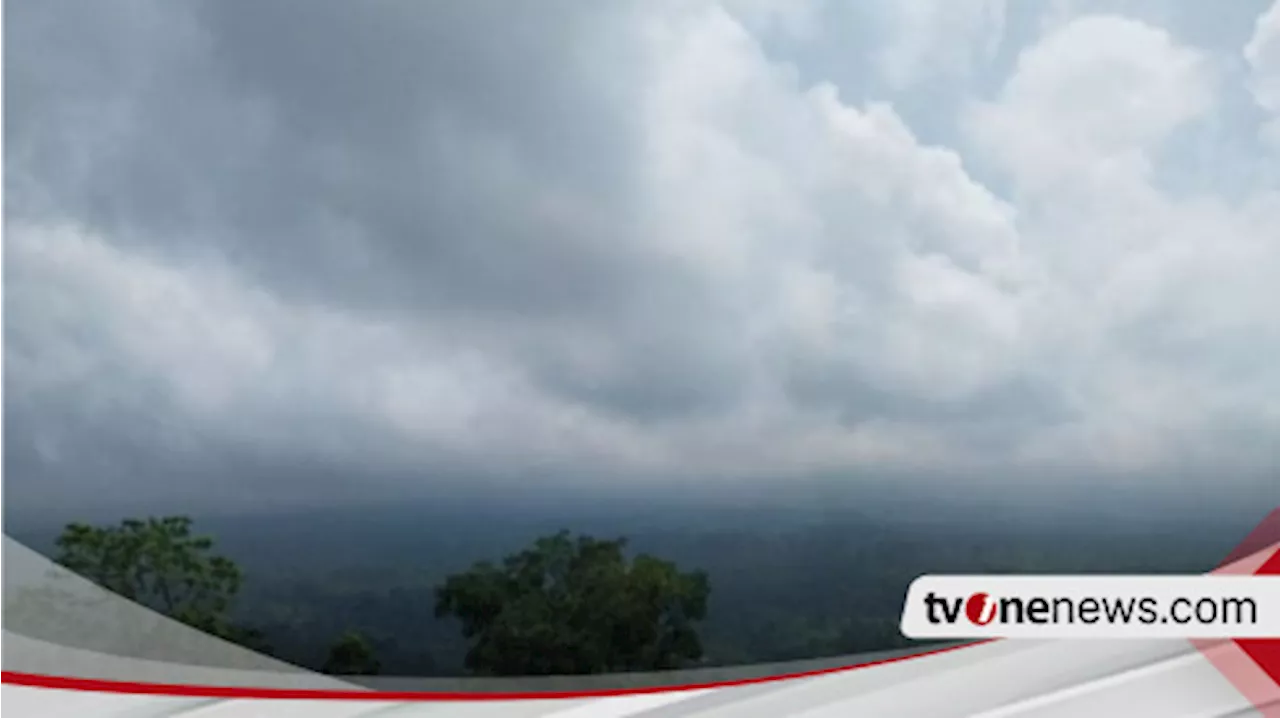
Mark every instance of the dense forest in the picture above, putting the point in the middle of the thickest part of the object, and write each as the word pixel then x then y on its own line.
pixel 778 587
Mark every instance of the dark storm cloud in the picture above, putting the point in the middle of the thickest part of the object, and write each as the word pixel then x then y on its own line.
pixel 390 152
pixel 398 158
pixel 260 248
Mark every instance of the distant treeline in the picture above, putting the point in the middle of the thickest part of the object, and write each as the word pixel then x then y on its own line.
pixel 417 598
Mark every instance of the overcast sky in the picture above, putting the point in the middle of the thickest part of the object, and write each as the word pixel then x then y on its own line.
pixel 261 252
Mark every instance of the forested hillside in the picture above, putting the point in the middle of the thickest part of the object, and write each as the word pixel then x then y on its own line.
pixel 782 585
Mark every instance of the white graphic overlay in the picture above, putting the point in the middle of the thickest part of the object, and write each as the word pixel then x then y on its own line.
pixel 1105 607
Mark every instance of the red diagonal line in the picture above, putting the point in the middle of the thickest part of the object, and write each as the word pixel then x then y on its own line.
pixel 1266 651
pixel 1267 532
pixel 1263 652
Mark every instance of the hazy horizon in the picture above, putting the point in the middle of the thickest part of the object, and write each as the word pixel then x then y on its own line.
pixel 1073 510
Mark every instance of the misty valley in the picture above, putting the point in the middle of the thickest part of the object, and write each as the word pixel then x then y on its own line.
pixel 781 585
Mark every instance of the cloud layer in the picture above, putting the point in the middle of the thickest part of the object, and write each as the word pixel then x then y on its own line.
pixel 261 255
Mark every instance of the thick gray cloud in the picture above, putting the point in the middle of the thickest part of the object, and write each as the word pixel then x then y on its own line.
pixel 258 253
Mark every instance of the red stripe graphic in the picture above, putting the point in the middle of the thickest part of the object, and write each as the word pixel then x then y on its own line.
pixel 1265 534
pixel 1266 651
pixel 1252 665
pixel 195 691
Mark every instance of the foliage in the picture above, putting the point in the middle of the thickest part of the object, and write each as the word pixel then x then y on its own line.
pixel 576 605
pixel 351 655
pixel 160 564
pixel 797 589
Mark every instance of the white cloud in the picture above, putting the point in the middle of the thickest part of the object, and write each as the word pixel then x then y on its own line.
pixel 1151 297
pixel 939 38
pixel 792 19
pixel 1263 55
pixel 244 365
pixel 1090 101
pixel 770 187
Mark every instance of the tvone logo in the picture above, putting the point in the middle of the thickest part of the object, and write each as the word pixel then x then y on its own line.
pixel 980 609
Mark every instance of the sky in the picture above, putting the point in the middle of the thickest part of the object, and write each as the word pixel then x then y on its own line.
pixel 267 253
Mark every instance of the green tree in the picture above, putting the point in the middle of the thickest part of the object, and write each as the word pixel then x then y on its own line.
pixel 351 655
pixel 571 605
pixel 160 564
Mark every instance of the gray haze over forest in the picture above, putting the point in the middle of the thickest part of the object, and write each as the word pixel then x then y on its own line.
pixel 293 254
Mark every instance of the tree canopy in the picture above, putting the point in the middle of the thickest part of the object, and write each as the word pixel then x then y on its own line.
pixel 158 563
pixel 573 605
pixel 351 655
